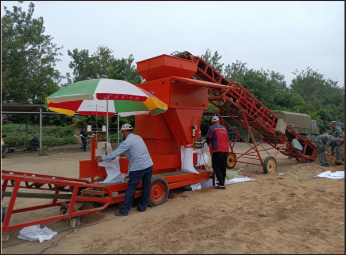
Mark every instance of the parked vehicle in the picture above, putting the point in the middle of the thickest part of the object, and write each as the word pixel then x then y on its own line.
pixel 302 123
pixel 232 134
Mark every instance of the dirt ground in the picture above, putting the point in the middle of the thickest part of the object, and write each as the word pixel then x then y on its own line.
pixel 292 213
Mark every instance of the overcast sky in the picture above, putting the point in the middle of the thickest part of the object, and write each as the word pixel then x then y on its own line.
pixel 279 36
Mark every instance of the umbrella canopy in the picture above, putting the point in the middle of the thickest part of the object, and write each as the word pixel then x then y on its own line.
pixel 91 97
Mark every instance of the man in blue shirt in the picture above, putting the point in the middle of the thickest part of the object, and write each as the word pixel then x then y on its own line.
pixel 140 169
pixel 83 137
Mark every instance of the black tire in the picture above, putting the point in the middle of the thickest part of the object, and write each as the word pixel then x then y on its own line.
pixel 158 184
pixel 230 165
pixel 269 165
pixel 3 154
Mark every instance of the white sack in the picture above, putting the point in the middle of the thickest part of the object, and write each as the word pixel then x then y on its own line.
pixel 187 160
pixel 202 158
pixel 236 180
pixel 113 171
pixel 209 183
pixel 334 176
pixel 201 151
pixel 34 233
pixel 196 186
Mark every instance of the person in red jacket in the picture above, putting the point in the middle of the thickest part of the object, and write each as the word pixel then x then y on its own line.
pixel 217 139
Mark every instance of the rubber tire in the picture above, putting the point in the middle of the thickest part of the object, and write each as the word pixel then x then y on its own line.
pixel 227 166
pixel 265 164
pixel 156 179
pixel 3 154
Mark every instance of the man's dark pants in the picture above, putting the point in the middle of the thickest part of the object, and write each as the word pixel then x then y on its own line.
pixel 218 162
pixel 84 143
pixel 135 178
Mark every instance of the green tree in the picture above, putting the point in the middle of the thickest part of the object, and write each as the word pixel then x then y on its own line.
pixel 86 67
pixel 326 97
pixel 102 64
pixel 123 69
pixel 28 57
pixel 213 60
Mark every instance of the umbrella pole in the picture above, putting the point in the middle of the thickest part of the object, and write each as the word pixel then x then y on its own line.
pixel 118 129
pixel 107 120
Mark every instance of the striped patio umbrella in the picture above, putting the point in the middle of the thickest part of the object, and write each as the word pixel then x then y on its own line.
pixel 99 96
pixel 104 97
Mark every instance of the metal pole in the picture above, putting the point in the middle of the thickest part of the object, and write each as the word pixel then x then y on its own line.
pixel 26 131
pixel 118 129
pixel 107 119
pixel 96 118
pixel 40 127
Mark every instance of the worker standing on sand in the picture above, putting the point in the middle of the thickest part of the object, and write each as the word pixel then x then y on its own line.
pixel 322 144
pixel 217 139
pixel 140 169
pixel 337 150
pixel 83 136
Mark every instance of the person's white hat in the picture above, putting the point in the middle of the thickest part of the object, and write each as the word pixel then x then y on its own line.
pixel 126 127
pixel 215 118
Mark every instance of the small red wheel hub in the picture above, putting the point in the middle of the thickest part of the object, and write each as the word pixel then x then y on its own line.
pixel 157 191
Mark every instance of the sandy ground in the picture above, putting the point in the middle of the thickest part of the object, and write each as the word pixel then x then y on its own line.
pixel 292 213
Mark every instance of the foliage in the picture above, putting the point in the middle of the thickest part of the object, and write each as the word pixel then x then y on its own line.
pixel 324 95
pixel 42 152
pixel 28 57
pixel 102 64
pixel 309 92
pixel 214 60
pixel 51 136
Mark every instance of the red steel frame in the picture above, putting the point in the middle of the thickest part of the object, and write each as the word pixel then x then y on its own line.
pixel 20 178
pixel 250 109
pixel 174 181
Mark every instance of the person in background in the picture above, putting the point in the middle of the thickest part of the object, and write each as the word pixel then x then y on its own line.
pixel 217 139
pixel 336 132
pixel 83 136
pixel 140 169
pixel 322 144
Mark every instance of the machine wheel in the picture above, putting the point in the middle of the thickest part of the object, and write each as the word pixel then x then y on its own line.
pixel 269 165
pixel 230 162
pixel 158 191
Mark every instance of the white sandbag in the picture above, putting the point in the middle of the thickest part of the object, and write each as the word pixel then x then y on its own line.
pixel 35 233
pixel 202 159
pixel 207 183
pixel 334 176
pixel 196 186
pixel 203 150
pixel 113 171
pixel 187 160
pixel 237 180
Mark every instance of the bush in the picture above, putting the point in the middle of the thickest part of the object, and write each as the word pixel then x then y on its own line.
pixel 13 140
pixel 42 152
pixel 52 141
pixel 65 132
pixel 52 135
pixel 71 140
